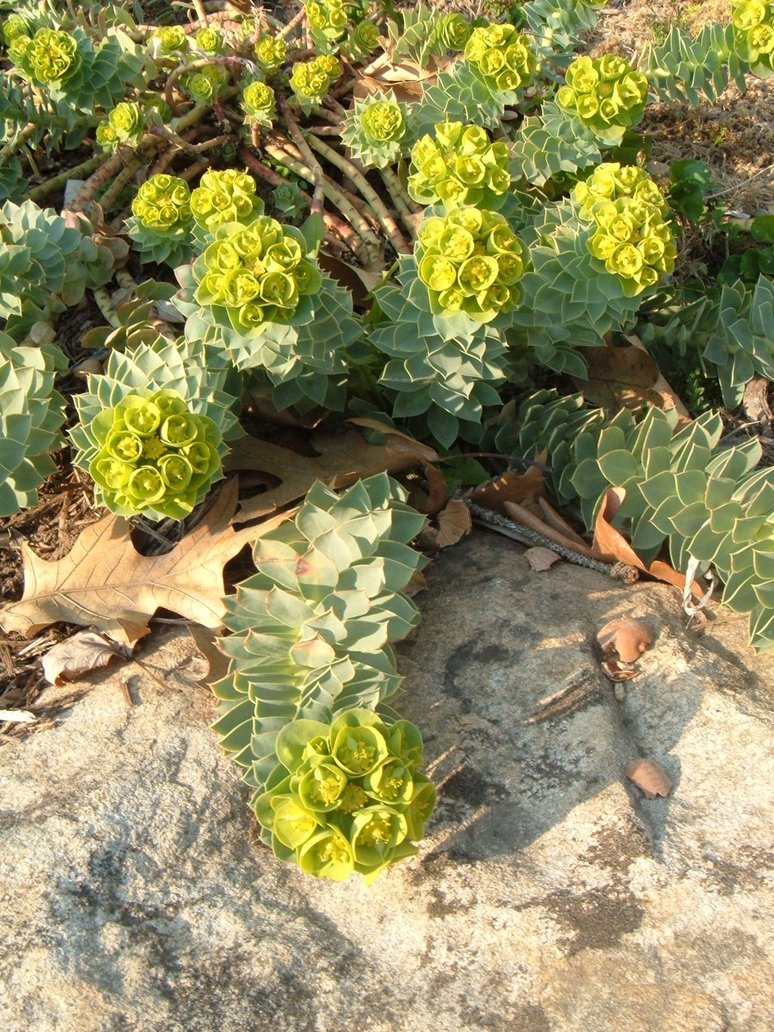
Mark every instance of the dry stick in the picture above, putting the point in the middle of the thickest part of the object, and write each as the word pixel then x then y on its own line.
pixel 10 148
pixel 202 14
pixel 309 158
pixel 295 21
pixel 84 169
pixel 336 197
pixel 333 223
pixel 194 170
pixel 388 223
pixel 329 116
pixel 109 196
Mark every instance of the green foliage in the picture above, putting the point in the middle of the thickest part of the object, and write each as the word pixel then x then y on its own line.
pixel 124 126
pixel 685 70
pixel 689 183
pixel 327 19
pixel 310 644
pixel 46 263
pixel 270 53
pixel 157 409
pixel 259 104
pixel 753 22
pixel 311 80
pixel 31 414
pixel 558 26
pixel 708 501
pixel 203 85
pixel 375 129
pixel 552 143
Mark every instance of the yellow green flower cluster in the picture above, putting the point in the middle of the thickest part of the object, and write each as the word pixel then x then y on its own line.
pixel 258 273
pixel 753 22
pixel 311 80
pixel 125 125
pixel 327 18
pixel 375 129
pixel 49 58
pixel 604 92
pixel 15 25
pixel 155 455
pixel 270 52
pixel 458 165
pixel 209 40
pixel 632 237
pixel 170 39
pixel 163 203
pixel 221 197
pixel 454 31
pixel 205 83
pixel 502 55
pixel 470 260
pixel 347 796
pixel 258 103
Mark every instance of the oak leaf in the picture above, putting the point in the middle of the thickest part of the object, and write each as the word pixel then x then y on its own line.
pixel 105 583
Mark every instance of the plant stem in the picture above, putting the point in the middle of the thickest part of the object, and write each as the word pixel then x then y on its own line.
pixel 115 188
pixel 400 200
pixel 311 161
pixel 21 138
pixel 84 169
pixel 294 22
pixel 388 223
pixel 202 62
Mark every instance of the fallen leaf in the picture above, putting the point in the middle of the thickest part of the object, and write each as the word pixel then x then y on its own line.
pixel 438 493
pixel 341 460
pixel 106 583
pixel 206 642
pixel 528 519
pixel 510 487
pixel 616 671
pixel 357 280
pixel 541 559
pixel 610 545
pixel 628 377
pixel 559 523
pixel 649 778
pixel 79 654
pixel 626 636
pixel 454 523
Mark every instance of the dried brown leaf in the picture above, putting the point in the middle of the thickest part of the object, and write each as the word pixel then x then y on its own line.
pixel 84 651
pixel 541 559
pixel 106 583
pixel 649 778
pixel 342 459
pixel 628 377
pixel 357 280
pixel 454 523
pixel 528 519
pixel 626 636
pixel 206 642
pixel 510 487
pixel 616 671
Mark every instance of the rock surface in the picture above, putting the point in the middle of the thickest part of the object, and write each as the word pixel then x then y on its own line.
pixel 550 893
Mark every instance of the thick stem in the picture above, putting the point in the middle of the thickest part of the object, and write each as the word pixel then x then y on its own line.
pixel 84 169
pixel 125 176
pixel 229 61
pixel 400 200
pixel 311 161
pixel 10 148
pixel 388 223
pixel 294 22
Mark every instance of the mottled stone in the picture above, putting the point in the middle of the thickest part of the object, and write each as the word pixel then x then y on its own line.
pixel 549 895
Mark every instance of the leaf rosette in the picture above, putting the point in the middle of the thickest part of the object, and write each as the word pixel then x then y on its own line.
pixel 459 165
pixel 209 40
pixel 224 197
pixel 204 84
pixel 49 58
pixel 270 53
pixel 374 130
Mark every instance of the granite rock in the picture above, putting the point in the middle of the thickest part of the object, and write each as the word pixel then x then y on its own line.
pixel 549 894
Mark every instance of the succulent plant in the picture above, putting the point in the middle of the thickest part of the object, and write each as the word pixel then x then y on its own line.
pixel 375 128
pixel 606 94
pixel 258 290
pixel 360 42
pixel 327 19
pixel 49 58
pixel 311 80
pixel 209 40
pixel 31 415
pixel 310 651
pixel 459 165
pixel 454 31
pixel 270 53
pixel 632 237
pixel 710 503
pixel 558 27
pixel 15 25
pixel 503 57
pixel 169 41
pixel 124 126
pixel 687 70
pixel 258 104
pixel 347 796
pixel 551 144
pixel 289 199
pixel 160 226
pixel 204 84
pixel 46 263
pixel 223 197
pixel 152 428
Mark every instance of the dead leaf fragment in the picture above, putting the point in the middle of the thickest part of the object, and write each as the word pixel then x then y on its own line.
pixel 217 661
pixel 649 778
pixel 626 636
pixel 628 377
pixel 510 487
pixel 103 581
pixel 615 671
pixel 454 523
pixel 83 652
pixel 541 559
